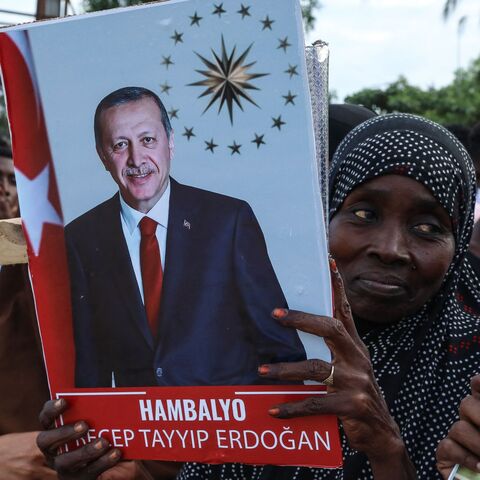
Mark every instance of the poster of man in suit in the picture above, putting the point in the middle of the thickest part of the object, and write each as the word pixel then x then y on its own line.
pixel 193 308
pixel 170 192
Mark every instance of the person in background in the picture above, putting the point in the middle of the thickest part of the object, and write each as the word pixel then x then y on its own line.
pixel 474 146
pixel 8 186
pixel 23 384
pixel 342 118
pixel 468 292
pixel 462 132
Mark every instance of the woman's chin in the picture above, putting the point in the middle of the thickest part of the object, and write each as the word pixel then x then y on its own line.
pixel 380 314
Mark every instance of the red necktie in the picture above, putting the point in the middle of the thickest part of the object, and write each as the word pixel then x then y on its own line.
pixel 152 274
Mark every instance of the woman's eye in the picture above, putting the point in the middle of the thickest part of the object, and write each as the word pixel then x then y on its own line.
pixel 427 228
pixel 364 214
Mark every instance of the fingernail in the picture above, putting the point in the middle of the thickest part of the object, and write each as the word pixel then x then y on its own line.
pixel 263 370
pixel 114 455
pixel 98 445
pixel 333 265
pixel 274 412
pixel 79 427
pixel 279 313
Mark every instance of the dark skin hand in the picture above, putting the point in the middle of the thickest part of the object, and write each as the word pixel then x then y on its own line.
pixel 354 397
pixel 87 462
pixel 462 444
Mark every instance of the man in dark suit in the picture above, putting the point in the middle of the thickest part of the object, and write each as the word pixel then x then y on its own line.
pixel 181 297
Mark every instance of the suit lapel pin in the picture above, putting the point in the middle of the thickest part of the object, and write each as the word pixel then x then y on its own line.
pixel 186 224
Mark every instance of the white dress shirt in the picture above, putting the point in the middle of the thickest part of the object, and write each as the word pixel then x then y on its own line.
pixel 131 231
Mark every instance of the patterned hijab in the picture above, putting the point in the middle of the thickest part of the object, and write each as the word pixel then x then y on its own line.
pixel 423 363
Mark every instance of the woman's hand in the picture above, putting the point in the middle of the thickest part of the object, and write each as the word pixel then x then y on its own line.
pixel 354 396
pixel 462 444
pixel 91 461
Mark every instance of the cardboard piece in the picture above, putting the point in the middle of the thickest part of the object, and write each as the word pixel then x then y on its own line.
pixel 13 248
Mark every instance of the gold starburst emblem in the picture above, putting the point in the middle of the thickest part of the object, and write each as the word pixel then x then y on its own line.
pixel 227 79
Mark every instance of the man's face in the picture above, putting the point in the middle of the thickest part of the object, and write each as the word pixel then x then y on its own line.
pixel 8 189
pixel 136 151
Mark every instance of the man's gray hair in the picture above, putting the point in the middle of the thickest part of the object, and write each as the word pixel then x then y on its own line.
pixel 126 95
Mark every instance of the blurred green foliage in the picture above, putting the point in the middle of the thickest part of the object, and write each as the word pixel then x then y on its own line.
pixel 96 5
pixel 309 8
pixel 458 102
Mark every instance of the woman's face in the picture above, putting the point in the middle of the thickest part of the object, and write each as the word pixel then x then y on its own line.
pixel 393 243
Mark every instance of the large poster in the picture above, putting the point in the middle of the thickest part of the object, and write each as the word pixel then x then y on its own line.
pixel 170 197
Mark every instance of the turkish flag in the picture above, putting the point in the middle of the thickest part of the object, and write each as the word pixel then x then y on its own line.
pixel 40 207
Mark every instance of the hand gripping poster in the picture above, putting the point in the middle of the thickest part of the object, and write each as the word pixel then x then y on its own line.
pixel 170 198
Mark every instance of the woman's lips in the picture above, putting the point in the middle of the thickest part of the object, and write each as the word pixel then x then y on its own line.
pixel 382 285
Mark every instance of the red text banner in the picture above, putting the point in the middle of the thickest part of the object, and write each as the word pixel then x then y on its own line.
pixel 208 424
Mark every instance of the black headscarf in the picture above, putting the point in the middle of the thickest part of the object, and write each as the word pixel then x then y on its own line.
pixel 424 362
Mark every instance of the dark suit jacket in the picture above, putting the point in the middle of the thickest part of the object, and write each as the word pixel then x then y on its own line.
pixel 219 289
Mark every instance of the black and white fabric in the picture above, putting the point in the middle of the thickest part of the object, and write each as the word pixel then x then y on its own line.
pixel 468 292
pixel 423 364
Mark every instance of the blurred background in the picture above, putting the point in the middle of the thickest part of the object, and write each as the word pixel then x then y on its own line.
pixel 417 56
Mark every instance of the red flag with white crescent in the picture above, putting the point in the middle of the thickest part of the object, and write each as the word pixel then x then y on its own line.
pixel 39 205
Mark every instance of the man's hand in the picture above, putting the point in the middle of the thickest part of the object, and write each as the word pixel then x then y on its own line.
pixel 21 459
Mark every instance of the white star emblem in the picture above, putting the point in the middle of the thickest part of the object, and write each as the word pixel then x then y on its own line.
pixel 35 206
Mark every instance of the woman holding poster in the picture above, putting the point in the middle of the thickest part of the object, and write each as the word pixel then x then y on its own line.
pixel 400 262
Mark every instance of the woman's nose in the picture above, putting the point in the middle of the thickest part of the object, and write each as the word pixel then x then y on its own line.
pixel 390 245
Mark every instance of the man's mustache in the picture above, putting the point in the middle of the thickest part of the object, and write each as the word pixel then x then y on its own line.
pixel 141 170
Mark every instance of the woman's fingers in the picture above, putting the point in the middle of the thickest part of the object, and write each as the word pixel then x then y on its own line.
pixel 93 459
pixel 86 462
pixel 470 410
pixel 331 404
pixel 475 384
pixel 342 308
pixel 450 453
pixel 466 435
pixel 314 369
pixel 462 445
pixel 331 329
pixel 49 441
pixel 50 411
